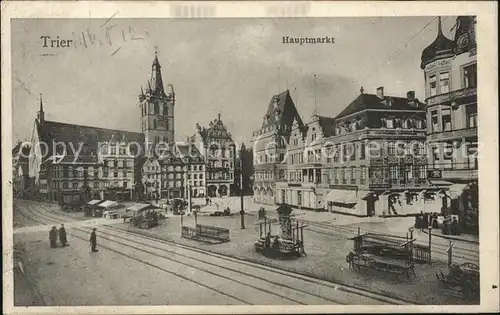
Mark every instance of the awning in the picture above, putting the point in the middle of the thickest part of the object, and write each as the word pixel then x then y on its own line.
pixel 109 204
pixel 93 202
pixel 342 196
pixel 440 183
pixel 141 206
pixel 456 190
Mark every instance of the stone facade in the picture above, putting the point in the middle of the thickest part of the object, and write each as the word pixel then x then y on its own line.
pixel 451 99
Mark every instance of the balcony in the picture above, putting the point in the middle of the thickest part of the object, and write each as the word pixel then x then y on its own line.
pixel 453 134
pixel 451 96
pixel 455 171
pixel 377 133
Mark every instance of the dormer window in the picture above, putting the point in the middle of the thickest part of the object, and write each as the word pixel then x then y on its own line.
pixel 275 102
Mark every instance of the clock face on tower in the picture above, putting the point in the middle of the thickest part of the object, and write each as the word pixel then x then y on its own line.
pixel 163 122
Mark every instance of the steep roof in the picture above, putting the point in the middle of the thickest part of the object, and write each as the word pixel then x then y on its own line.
pixel 326 124
pixel 189 153
pixel 51 131
pixel 281 110
pixel 371 101
pixel 216 129
pixel 442 47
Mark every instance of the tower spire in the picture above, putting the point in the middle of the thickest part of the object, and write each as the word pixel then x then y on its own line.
pixel 156 80
pixel 41 114
pixel 440 30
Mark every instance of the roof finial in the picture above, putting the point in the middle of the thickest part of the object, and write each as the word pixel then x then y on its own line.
pixel 156 50
pixel 218 116
pixel 361 90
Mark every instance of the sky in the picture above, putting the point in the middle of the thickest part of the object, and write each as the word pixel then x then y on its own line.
pixel 227 66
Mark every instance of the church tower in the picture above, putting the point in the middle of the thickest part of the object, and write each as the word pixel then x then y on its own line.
pixel 157 108
pixel 40 115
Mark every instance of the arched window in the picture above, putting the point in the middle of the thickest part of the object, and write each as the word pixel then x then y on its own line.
pixel 157 109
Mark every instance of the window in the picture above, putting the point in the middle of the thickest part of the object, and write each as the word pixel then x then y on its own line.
pixel 448 154
pixel 470 76
pixel 389 123
pixel 436 155
pixel 362 151
pixel 75 185
pixel 362 178
pixel 299 198
pixel 115 173
pixel 408 172
pixel 432 85
pixel 472 155
pixel 344 175
pixel 434 121
pixel 96 185
pixel 65 185
pixel 155 125
pixel 421 171
pixel 444 82
pixel 165 109
pixel 394 173
pixel 313 137
pixel 471 114
pixel 392 148
pixel 353 175
pixel 446 119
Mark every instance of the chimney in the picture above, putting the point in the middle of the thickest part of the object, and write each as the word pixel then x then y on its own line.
pixel 380 92
pixel 410 95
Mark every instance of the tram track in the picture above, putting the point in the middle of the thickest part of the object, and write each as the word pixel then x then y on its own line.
pixel 112 232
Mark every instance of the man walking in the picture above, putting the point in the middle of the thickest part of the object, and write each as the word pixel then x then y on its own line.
pixel 53 237
pixel 93 240
pixel 62 236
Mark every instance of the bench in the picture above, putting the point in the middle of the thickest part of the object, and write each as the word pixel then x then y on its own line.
pixel 206 233
pixel 383 264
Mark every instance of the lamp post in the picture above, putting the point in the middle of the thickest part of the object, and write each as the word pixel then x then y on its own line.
pixel 242 211
pixel 430 243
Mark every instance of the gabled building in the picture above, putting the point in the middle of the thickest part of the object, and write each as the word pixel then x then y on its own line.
pixel 216 145
pixel 304 186
pixel 450 70
pixel 269 145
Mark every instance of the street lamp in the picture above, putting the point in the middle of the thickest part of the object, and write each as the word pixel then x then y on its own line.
pixel 430 243
pixel 242 211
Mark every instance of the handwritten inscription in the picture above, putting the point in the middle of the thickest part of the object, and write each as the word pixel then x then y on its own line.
pixel 48 42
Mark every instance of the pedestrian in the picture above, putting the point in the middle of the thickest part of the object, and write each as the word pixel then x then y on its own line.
pixel 62 236
pixel 53 237
pixel 93 240
pixel 267 240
